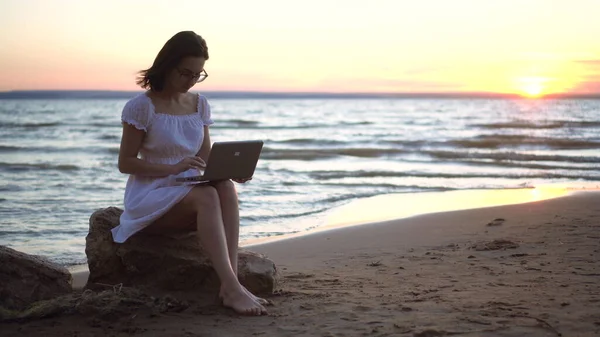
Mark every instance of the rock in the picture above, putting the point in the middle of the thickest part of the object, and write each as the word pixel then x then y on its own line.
pixel 25 279
pixel 156 262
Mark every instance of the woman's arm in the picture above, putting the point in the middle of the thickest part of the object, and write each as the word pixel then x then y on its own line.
pixel 131 142
pixel 206 145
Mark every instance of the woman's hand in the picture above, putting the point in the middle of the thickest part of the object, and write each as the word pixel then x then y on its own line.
pixel 189 163
pixel 241 181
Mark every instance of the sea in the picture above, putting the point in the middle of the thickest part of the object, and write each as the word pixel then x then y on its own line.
pixel 58 155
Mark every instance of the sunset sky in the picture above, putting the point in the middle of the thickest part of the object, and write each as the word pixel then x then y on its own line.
pixel 510 46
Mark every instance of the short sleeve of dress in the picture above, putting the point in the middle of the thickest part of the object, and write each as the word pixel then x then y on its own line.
pixel 136 113
pixel 204 108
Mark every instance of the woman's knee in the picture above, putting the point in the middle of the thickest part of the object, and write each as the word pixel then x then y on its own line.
pixel 202 197
pixel 226 187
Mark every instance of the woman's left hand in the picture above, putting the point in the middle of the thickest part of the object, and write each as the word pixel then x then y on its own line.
pixel 241 181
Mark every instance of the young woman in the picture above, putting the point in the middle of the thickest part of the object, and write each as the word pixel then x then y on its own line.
pixel 169 128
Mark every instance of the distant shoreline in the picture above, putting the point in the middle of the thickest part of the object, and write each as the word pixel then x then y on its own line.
pixel 107 94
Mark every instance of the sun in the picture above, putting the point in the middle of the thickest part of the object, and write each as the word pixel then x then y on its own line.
pixel 532 87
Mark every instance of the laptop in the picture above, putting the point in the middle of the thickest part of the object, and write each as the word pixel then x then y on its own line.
pixel 229 160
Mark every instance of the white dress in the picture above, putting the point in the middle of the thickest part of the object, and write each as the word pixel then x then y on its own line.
pixel 169 139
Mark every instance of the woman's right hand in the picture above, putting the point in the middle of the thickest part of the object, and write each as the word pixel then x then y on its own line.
pixel 189 163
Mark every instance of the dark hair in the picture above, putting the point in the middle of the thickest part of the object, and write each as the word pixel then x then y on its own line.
pixel 181 45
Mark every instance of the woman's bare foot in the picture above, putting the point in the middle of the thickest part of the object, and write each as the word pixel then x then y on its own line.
pixel 260 300
pixel 242 302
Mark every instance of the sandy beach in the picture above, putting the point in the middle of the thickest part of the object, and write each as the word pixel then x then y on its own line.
pixel 529 269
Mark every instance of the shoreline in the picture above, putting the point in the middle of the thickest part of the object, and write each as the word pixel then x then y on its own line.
pixel 382 210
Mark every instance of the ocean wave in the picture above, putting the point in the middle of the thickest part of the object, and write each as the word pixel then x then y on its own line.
pixel 37 166
pixel 408 144
pixel 10 188
pixel 307 141
pixel 109 137
pixel 386 186
pixel 499 141
pixel 258 126
pixel 533 125
pixel 332 175
pixel 514 156
pixel 18 232
pixel 10 148
pixel 40 232
pixel 237 122
pixel 286 215
pixel 116 124
pixel 527 165
pixel 349 196
pixel 313 154
pixel 50 149
pixel 113 150
pixel 29 125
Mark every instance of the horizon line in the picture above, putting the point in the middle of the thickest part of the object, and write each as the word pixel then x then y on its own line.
pixel 107 94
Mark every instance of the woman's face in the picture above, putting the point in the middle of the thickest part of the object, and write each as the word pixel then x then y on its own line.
pixel 185 75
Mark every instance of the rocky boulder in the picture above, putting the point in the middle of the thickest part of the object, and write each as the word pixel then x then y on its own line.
pixel 25 279
pixel 156 262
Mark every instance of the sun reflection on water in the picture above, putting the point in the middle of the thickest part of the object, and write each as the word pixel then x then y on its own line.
pixel 395 206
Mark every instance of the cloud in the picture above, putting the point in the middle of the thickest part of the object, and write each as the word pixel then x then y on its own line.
pixel 590 62
pixel 591 66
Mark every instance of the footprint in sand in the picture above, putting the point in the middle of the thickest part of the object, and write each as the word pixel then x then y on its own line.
pixel 299 276
pixel 362 308
pixel 430 333
pixel 496 222
pixel 499 244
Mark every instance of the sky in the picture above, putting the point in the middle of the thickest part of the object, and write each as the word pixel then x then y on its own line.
pixel 530 47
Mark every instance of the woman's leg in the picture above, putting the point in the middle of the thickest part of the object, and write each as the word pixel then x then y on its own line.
pixel 231 221
pixel 231 218
pixel 203 203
